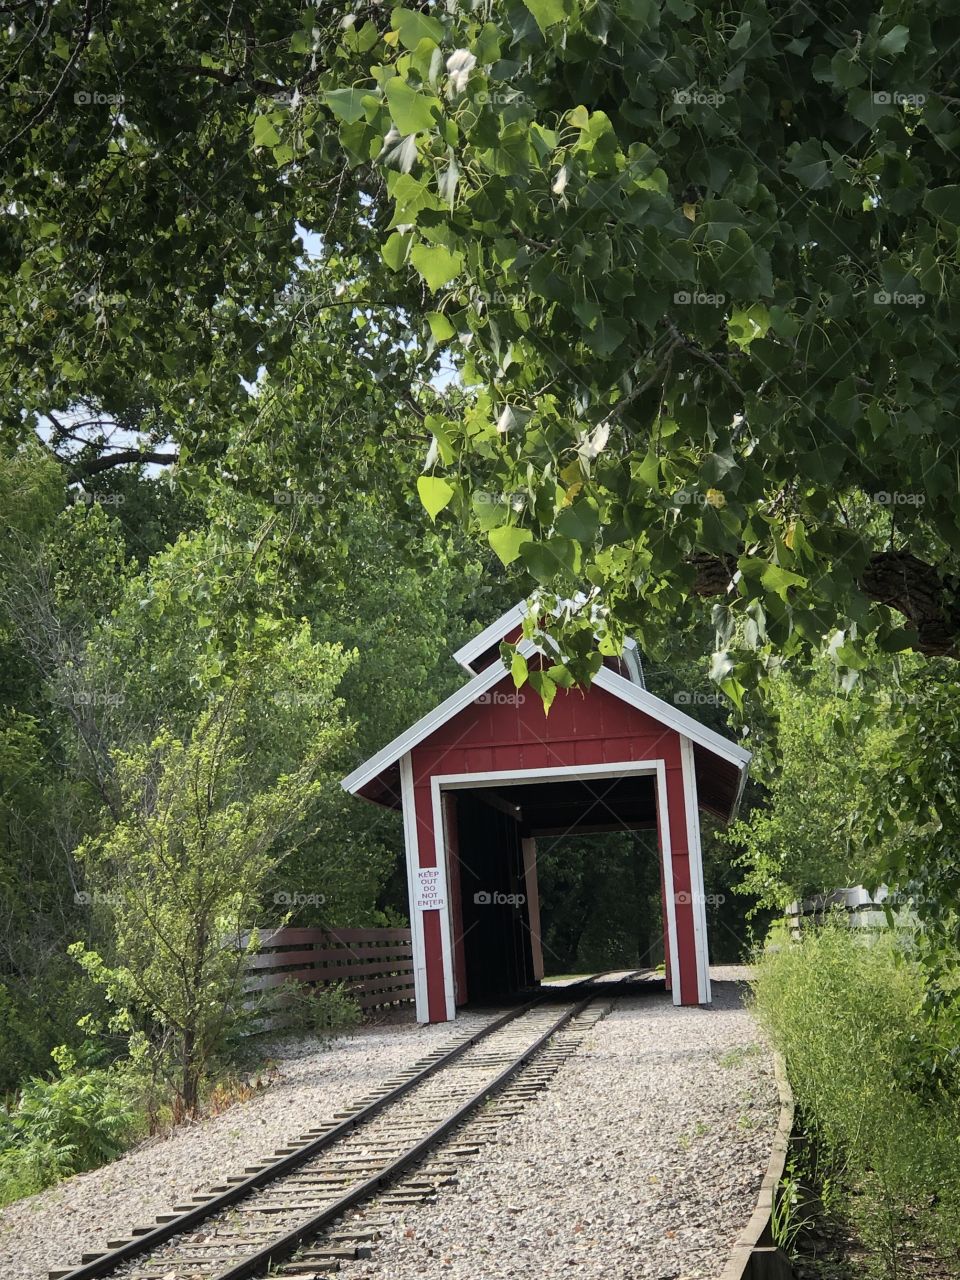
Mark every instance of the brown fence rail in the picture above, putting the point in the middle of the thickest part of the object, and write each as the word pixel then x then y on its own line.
pixel 375 965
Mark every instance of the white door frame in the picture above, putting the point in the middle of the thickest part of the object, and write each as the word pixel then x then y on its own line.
pixel 582 772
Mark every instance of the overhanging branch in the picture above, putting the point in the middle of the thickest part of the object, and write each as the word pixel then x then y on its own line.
pixel 919 591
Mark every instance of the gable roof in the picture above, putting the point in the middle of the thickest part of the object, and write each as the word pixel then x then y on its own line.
pixel 605 679
pixel 491 635
pixel 501 627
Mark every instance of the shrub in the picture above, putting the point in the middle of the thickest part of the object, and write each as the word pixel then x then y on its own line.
pixel 322 1011
pixel 75 1121
pixel 846 1012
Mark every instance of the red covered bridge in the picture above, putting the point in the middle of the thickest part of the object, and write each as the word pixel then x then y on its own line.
pixel 486 772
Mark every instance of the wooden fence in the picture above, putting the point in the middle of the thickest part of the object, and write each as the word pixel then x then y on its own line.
pixel 375 965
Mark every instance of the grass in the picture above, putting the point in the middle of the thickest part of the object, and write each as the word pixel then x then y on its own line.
pixel 738 1055
pixel 866 1066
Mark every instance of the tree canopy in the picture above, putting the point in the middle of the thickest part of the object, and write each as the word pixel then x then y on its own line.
pixel 694 266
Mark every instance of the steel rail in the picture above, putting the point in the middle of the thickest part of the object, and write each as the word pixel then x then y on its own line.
pixel 109 1260
pixel 260 1262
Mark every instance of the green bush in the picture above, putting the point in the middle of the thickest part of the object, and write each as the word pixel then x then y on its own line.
pixel 322 1011
pixel 76 1121
pixel 846 1011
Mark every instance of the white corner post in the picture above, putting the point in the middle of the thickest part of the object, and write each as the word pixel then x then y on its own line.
pixel 695 853
pixel 413 864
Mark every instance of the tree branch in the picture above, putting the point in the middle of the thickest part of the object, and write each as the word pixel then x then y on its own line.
pixel 917 590
pixel 81 470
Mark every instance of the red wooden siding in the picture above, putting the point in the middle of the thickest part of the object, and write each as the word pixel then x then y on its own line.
pixel 508 730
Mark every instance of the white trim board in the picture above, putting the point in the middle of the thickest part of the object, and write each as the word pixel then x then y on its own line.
pixel 491 634
pixel 446 933
pixel 605 679
pixel 412 860
pixel 695 859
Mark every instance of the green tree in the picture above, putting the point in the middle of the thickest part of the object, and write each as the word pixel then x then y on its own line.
pixel 819 765
pixel 695 267
pixel 182 871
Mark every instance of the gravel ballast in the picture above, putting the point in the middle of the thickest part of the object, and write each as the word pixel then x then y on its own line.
pixel 313 1081
pixel 642 1159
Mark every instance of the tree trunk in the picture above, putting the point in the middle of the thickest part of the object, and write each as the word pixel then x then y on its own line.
pixel 921 592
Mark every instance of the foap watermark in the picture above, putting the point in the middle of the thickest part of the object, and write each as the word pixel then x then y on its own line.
pixel 694 698
pixel 299 498
pixel 494 898
pixel 497 298
pixel 884 298
pixel 693 298
pixel 95 898
pixel 895 498
pixel 497 698
pixel 103 499
pixel 894 98
pixel 712 498
pixel 685 899
pixel 294 898
pixel 94 98
pixel 97 698
pixel 293 698
pixel 513 500
pixel 91 296
pixel 501 98
pixel 699 97
pixel 900 698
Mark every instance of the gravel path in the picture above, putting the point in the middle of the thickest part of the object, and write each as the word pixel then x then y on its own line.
pixel 642 1161
pixel 53 1228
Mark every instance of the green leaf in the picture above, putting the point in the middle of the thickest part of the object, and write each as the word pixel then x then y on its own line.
pixel 413 27
pixel 894 41
pixel 395 250
pixel 746 325
pixel 741 37
pixel 518 669
pixel 435 493
pixel 580 522
pixel 541 682
pixel 734 691
pixel 411 197
pixel 607 335
pixel 264 134
pixel 436 264
pixel 412 112
pixel 346 104
pixel 440 326
pixel 544 560
pixel 944 203
pixel 561 676
pixel 507 541
pixel 546 12
pixel 809 167
pixel 648 471
pixel 778 580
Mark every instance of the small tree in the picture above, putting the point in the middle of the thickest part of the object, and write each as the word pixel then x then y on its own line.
pixel 819 767
pixel 182 870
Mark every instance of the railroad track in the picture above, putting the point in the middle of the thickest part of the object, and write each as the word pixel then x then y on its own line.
pixel 321 1200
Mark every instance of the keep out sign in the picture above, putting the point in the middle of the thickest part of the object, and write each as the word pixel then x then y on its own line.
pixel 429 893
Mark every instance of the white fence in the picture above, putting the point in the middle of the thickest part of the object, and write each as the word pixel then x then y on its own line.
pixel 863 909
